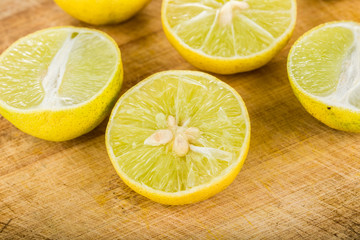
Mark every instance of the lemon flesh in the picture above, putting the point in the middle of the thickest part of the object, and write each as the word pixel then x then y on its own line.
pixel 323 68
pixel 51 81
pixel 195 100
pixel 102 12
pixel 228 36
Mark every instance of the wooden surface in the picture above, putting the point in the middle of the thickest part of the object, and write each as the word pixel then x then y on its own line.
pixel 301 179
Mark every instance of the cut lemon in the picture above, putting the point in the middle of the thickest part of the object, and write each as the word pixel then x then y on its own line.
pixel 102 12
pixel 324 72
pixel 228 36
pixel 59 83
pixel 178 137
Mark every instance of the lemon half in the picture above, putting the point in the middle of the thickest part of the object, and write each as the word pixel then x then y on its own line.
pixel 59 83
pixel 102 12
pixel 228 36
pixel 178 137
pixel 324 72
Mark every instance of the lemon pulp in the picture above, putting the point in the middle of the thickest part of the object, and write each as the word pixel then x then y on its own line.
pixel 195 101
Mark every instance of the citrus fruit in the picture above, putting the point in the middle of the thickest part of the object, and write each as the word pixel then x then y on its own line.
pixel 228 36
pixel 178 137
pixel 59 83
pixel 323 68
pixel 102 12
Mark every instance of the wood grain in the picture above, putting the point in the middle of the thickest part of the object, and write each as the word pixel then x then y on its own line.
pixel 301 179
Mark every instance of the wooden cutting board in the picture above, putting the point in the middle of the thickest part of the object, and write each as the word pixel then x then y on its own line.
pixel 301 179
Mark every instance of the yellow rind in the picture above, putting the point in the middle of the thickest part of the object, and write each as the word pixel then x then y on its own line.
pixel 222 65
pixel 70 122
pixel 102 12
pixel 198 193
pixel 333 116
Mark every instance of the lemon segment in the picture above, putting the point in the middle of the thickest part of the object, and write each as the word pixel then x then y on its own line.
pixel 23 67
pixel 88 68
pixel 59 83
pixel 228 36
pixel 178 137
pixel 323 69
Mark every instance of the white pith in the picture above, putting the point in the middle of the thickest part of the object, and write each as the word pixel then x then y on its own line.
pixel 54 76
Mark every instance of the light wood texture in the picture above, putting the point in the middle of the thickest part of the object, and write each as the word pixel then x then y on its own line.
pixel 301 179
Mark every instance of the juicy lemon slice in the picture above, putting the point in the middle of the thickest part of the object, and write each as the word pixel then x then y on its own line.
pixel 60 83
pixel 324 72
pixel 228 36
pixel 178 137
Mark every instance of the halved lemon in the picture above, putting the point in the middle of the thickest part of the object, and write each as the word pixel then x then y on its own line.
pixel 228 36
pixel 102 12
pixel 178 137
pixel 59 83
pixel 324 72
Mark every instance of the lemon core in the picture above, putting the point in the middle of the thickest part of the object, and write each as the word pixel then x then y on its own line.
pixel 183 138
pixel 226 11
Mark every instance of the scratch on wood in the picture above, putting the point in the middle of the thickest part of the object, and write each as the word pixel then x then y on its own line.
pixel 207 229
pixel 300 232
pixel 266 185
pixel 8 206
pixel 5 225
pixel 353 230
pixel 247 220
